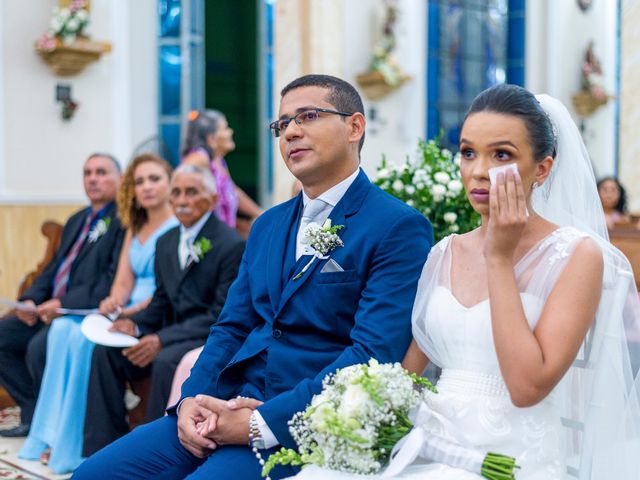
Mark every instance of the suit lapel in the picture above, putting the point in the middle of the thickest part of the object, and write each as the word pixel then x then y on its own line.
pixel 173 255
pixel 276 260
pixel 346 207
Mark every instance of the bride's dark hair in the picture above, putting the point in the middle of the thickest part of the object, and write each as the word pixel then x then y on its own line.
pixel 514 100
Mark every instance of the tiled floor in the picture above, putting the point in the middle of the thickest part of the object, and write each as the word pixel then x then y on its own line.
pixel 9 448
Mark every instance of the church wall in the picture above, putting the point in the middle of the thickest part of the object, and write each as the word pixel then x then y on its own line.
pixel 41 156
pixel 558 33
pixel 629 141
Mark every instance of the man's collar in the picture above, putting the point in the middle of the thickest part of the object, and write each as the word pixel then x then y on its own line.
pixel 335 193
pixel 194 229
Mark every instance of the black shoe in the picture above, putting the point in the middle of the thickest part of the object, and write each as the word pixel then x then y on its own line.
pixel 21 430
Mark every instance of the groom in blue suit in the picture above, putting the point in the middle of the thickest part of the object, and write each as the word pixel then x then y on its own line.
pixel 299 309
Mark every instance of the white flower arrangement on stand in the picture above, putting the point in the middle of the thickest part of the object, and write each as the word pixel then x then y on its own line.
pixel 66 24
pixel 432 185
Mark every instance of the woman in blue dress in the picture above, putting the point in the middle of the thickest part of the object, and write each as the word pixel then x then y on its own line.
pixel 57 428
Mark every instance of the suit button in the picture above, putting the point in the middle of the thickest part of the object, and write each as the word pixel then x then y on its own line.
pixel 276 333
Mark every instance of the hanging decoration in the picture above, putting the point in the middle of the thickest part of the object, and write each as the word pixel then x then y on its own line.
pixel 64 46
pixel 385 74
pixel 592 94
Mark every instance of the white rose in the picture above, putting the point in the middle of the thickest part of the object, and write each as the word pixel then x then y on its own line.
pixel 64 13
pixel 420 174
pixel 383 173
pixel 441 177
pixel 55 25
pixel 455 186
pixel 82 15
pixel 73 24
pixel 438 191
pixel 446 153
pixel 398 186
pixel 450 217
pixel 456 158
pixel 320 416
pixel 410 189
pixel 354 400
pixel 410 202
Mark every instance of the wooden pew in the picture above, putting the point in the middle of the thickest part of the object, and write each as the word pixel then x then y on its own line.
pixel 626 237
pixel 52 232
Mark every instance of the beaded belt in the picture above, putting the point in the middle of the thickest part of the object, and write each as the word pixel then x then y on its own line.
pixel 472 383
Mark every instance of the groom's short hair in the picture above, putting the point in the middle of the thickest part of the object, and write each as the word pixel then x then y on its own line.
pixel 342 95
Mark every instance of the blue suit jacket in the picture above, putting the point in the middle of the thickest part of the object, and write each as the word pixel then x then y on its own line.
pixel 295 332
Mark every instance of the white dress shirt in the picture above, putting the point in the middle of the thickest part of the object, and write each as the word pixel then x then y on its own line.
pixel 331 198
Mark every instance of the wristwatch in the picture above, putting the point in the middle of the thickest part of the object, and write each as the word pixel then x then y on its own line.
pixel 255 435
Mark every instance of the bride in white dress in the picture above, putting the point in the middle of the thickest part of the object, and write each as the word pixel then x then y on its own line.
pixel 507 310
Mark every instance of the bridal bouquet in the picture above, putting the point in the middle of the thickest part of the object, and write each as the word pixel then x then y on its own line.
pixel 362 412
pixel 431 184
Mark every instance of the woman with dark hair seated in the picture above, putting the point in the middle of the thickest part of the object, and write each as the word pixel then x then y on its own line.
pixel 614 201
pixel 207 141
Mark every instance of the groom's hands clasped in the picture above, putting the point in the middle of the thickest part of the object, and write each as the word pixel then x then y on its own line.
pixel 190 417
pixel 228 423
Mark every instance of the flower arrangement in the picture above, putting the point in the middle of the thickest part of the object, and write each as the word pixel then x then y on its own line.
pixel 384 74
pixel 592 94
pixel 199 249
pixel 99 229
pixel 431 184
pixel 319 241
pixel 362 414
pixel 66 25
pixel 383 60
pixel 353 424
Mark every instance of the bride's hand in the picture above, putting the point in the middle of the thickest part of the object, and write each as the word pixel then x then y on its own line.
pixel 507 217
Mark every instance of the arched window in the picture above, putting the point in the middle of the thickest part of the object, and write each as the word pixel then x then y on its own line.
pixel 472 45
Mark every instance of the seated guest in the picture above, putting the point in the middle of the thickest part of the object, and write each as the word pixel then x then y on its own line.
pixel 143 207
pixel 195 264
pixel 79 276
pixel 614 201
pixel 208 140
pixel 291 317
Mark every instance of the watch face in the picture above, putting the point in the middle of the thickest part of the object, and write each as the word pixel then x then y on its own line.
pixel 584 4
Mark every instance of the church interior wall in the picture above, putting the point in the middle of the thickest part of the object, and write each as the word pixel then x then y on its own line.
pixel 41 156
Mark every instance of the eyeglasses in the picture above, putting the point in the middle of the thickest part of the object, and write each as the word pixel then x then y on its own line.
pixel 301 118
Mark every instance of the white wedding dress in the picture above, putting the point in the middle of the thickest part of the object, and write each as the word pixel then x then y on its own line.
pixel 472 396
pixel 588 427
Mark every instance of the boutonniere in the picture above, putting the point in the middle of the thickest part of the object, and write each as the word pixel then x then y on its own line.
pixel 319 242
pixel 99 229
pixel 199 249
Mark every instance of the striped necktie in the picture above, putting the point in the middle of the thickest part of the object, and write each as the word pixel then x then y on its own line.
pixel 61 280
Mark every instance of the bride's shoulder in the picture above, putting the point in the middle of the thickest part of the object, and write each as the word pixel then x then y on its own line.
pixel 463 241
pixel 566 242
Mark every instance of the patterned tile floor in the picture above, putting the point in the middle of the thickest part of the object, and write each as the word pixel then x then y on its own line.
pixel 12 467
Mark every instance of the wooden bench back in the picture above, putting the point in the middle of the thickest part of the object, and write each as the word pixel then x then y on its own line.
pixel 626 237
pixel 53 233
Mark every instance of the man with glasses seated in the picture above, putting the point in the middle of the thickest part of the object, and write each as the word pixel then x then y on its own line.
pixel 299 309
